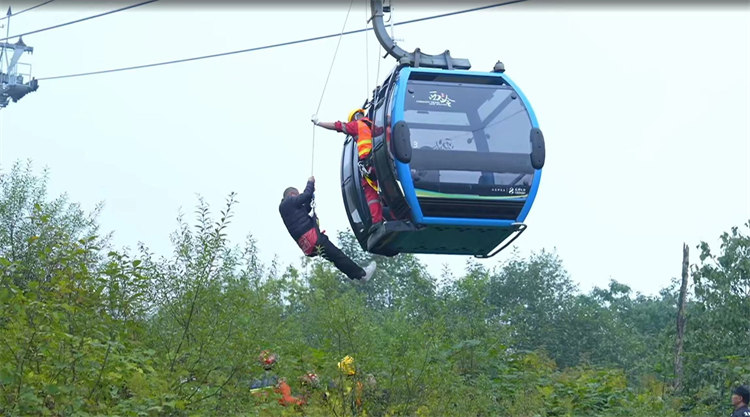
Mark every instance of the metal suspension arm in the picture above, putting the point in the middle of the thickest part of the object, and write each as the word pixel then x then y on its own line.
pixel 416 58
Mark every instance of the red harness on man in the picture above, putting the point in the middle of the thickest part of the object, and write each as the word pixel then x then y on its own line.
pixel 308 241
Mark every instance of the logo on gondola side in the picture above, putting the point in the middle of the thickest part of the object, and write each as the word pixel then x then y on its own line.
pixel 516 190
pixel 437 99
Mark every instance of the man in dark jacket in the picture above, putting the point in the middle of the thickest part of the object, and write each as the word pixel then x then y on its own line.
pixel 295 211
pixel 740 399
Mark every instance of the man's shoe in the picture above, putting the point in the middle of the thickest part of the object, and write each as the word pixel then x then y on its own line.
pixel 369 270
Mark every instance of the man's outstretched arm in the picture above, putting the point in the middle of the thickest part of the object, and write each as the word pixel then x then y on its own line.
pixel 328 125
pixel 306 197
pixel 348 128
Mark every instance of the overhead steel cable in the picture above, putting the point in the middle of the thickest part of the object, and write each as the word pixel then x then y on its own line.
pixel 26 10
pixel 80 20
pixel 275 45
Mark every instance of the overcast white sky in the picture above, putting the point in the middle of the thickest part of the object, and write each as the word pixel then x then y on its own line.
pixel 644 111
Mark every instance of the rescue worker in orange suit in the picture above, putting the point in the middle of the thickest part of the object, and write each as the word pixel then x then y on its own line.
pixel 286 394
pixel 294 209
pixel 360 127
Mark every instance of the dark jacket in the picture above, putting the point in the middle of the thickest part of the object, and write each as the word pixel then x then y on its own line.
pixel 294 211
pixel 741 412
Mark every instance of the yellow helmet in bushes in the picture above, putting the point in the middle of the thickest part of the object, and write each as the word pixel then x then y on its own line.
pixel 347 365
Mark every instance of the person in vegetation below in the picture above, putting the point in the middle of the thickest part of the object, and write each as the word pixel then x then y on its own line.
pixel 740 399
pixel 349 391
pixel 286 394
pixel 310 383
pixel 259 388
pixel 361 128
pixel 295 212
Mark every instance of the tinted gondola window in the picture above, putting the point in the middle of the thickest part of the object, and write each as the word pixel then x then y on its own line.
pixel 468 138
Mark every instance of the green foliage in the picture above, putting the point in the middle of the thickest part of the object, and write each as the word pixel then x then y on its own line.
pixel 87 330
pixel 718 333
pixel 29 223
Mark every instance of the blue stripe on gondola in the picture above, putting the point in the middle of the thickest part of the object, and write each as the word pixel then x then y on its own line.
pixel 538 172
pixel 403 170
pixel 532 195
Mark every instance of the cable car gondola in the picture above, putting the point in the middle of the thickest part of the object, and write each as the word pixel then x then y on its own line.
pixel 458 156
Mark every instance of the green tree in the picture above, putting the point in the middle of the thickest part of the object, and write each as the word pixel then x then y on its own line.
pixel 718 331
pixel 30 220
pixel 531 296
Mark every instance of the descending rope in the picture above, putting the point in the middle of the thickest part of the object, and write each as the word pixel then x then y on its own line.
pixel 320 102
pixel 377 73
pixel 379 58
pixel 312 153
pixel 367 51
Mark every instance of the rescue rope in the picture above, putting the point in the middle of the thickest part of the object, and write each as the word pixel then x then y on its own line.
pixel 377 74
pixel 379 58
pixel 320 102
pixel 312 153
pixel 367 51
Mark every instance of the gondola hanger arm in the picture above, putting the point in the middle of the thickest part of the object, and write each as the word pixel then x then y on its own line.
pixel 416 58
